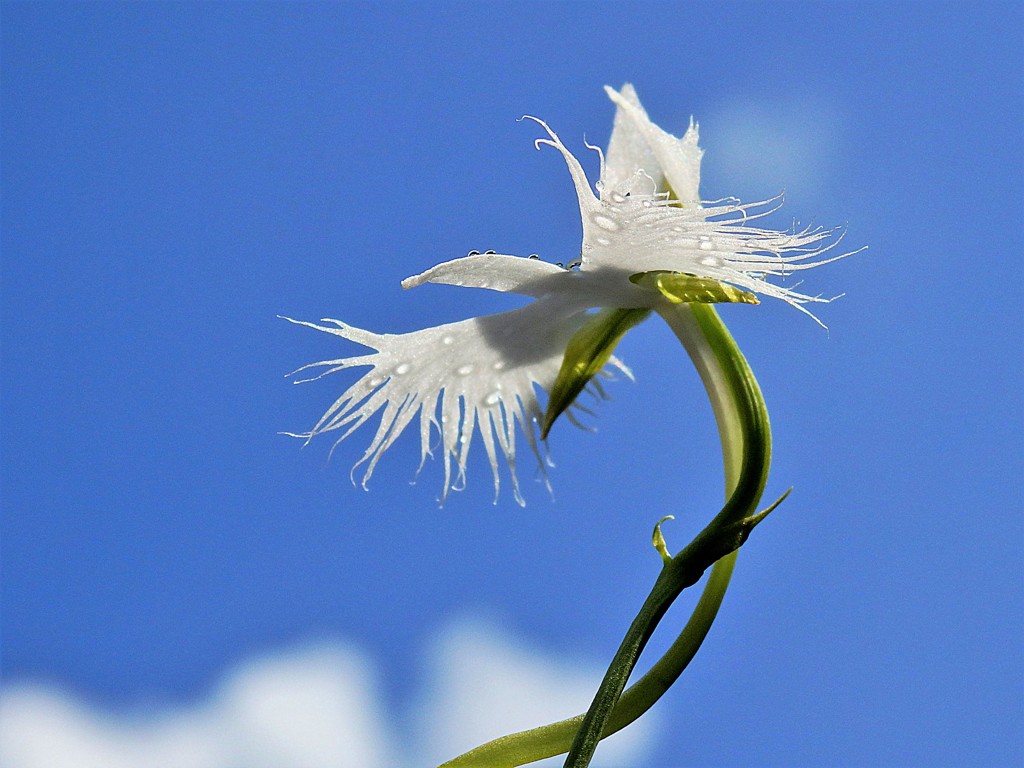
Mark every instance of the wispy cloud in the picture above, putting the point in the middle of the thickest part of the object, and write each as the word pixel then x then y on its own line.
pixel 316 707
pixel 759 147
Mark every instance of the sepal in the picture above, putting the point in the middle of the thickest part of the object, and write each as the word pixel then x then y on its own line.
pixel 587 353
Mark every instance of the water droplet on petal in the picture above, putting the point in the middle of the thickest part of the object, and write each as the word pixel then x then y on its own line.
pixel 534 256
pixel 499 365
pixel 488 253
pixel 603 241
pixel 710 261
pixel 473 253
pixel 493 399
pixel 618 198
pixel 375 382
pixel 447 340
pixel 605 223
pixel 402 368
pixel 464 370
pixel 706 244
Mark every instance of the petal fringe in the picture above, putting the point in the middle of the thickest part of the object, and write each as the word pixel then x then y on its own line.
pixel 477 375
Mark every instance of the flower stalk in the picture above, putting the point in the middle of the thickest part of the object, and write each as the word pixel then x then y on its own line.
pixel 746 446
pixel 745 435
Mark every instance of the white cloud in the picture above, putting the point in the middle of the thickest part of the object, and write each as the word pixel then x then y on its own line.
pixel 316 707
pixel 312 708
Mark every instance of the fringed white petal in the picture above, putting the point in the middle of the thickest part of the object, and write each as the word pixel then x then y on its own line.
pixel 589 204
pixel 459 378
pixel 717 242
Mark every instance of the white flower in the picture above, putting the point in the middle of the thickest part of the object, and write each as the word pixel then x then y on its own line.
pixel 482 374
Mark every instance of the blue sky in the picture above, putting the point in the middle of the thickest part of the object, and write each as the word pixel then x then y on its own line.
pixel 175 176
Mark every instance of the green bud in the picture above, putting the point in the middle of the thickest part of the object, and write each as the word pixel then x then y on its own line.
pixel 658 540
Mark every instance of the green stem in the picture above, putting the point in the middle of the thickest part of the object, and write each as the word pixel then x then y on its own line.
pixel 746 440
pixel 524 747
pixel 746 446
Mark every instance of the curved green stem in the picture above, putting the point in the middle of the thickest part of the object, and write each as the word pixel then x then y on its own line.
pixel 743 423
pixel 524 747
pixel 746 446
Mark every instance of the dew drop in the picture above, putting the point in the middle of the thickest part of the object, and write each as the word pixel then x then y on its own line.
pixel 710 261
pixel 618 198
pixel 499 365
pixel 488 253
pixel 493 399
pixel 447 340
pixel 473 253
pixel 534 256
pixel 605 223
pixel 706 244
pixel 603 241
pixel 464 370
pixel 375 382
pixel 402 368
